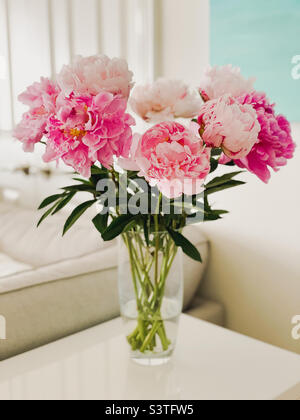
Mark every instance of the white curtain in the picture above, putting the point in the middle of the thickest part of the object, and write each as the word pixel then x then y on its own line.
pixel 38 36
pixel 158 37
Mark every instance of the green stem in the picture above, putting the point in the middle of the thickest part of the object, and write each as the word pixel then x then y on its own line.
pixel 150 337
pixel 125 238
pixel 156 223
pixel 156 248
pixel 149 295
pixel 145 270
pixel 163 337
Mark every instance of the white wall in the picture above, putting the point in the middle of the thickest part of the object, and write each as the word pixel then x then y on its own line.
pixel 255 263
pixel 184 39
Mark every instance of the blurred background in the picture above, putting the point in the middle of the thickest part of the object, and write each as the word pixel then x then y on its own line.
pixel 254 268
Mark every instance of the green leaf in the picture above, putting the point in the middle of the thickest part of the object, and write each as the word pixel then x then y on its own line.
pixel 95 170
pixel 98 171
pixel 222 179
pixel 79 187
pixel 64 202
pixel 96 178
pixel 229 184
pixel 216 152
pixel 76 214
pixel 117 227
pixel 214 215
pixel 50 200
pixel 45 215
pixel 187 247
pixel 133 175
pixel 100 222
pixel 220 212
pixel 83 181
pixel 231 163
pixel 146 231
pixel 213 165
pixel 211 217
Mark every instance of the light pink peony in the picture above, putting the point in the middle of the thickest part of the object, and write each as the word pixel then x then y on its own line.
pixel 219 81
pixel 165 100
pixel 275 145
pixel 86 129
pixel 30 130
pixel 227 124
pixel 41 95
pixel 172 158
pixel 41 99
pixel 91 75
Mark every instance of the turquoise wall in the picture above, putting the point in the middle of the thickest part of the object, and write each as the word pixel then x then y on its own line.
pixel 261 37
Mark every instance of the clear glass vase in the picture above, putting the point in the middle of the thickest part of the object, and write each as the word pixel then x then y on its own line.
pixel 151 294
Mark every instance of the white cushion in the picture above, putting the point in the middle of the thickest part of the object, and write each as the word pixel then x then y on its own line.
pixel 68 269
pixel 9 267
pixel 23 241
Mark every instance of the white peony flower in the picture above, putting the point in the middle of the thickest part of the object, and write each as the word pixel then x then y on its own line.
pixel 165 100
pixel 219 81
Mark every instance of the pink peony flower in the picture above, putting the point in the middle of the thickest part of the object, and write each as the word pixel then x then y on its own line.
pixel 41 99
pixel 165 100
pixel 41 94
pixel 86 129
pixel 30 130
pixel 91 75
pixel 79 159
pixel 219 81
pixel 275 144
pixel 230 125
pixel 172 158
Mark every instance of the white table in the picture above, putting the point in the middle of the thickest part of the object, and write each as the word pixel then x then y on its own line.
pixel 210 363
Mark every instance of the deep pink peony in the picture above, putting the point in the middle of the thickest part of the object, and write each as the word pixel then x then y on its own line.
pixel 89 128
pixel 227 124
pixel 92 75
pixel 226 80
pixel 165 100
pixel 41 99
pixel 275 145
pixel 172 158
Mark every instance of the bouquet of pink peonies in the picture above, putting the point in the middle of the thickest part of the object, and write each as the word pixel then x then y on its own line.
pixel 150 185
